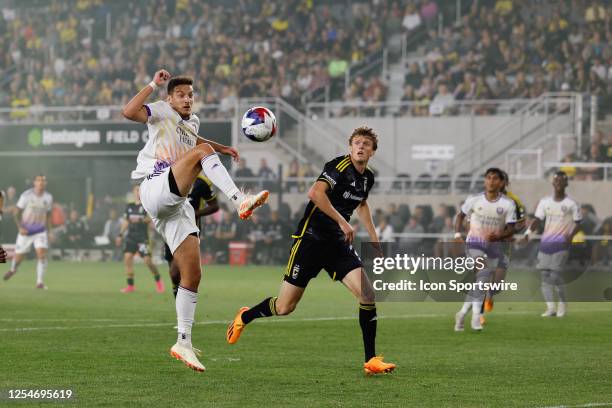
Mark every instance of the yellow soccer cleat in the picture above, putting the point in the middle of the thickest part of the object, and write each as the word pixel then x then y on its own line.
pixel 376 365
pixel 251 202
pixel 235 327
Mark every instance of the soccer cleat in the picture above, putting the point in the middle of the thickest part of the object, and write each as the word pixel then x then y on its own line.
pixel 561 309
pixel 488 304
pixel 188 355
pixel 128 289
pixel 41 286
pixel 476 325
pixel 251 202
pixel 8 275
pixel 376 365
pixel 549 313
pixel 159 286
pixel 235 327
pixel 459 321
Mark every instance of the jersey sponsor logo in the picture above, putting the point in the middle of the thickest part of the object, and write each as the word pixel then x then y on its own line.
pixel 564 208
pixel 185 137
pixel 347 195
pixel 329 179
pixel 295 271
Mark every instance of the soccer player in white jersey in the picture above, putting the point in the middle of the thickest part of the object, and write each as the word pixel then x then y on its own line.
pixel 33 217
pixel 492 216
pixel 167 167
pixel 561 217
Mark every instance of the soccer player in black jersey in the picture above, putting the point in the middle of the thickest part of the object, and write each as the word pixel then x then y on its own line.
pixel 323 241
pixel 135 236
pixel 204 202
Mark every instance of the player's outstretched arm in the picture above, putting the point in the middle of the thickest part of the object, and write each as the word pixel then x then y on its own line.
pixel 318 195
pixel 135 110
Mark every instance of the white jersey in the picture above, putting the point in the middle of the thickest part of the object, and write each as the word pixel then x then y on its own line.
pixel 170 137
pixel 35 210
pixel 560 218
pixel 487 217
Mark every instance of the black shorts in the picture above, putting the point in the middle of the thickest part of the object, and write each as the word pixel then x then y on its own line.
pixel 132 246
pixel 308 256
pixel 168 254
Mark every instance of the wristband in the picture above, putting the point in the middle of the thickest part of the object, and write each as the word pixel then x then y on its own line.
pixel 153 85
pixel 457 235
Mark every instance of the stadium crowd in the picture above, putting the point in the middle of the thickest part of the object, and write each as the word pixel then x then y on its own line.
pixel 99 53
pixel 504 49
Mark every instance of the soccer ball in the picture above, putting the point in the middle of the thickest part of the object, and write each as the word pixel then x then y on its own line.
pixel 259 124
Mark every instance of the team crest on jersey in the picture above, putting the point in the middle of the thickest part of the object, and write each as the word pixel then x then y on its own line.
pixel 564 208
pixel 295 271
pixel 500 210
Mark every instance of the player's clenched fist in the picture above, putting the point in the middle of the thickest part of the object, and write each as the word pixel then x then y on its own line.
pixel 161 77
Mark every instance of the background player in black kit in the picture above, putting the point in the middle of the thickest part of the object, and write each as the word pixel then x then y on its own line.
pixel 204 202
pixel 135 236
pixel 323 241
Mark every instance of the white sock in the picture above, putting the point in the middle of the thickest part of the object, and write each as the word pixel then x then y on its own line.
pixel 550 306
pixel 41 268
pixel 14 265
pixel 476 306
pixel 217 173
pixel 186 301
pixel 466 307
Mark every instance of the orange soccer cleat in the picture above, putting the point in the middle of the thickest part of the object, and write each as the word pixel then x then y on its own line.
pixel 251 202
pixel 376 365
pixel 235 327
pixel 488 304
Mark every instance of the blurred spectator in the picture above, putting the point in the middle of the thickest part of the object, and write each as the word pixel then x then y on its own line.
pixel 75 232
pixel 384 230
pixel 243 172
pixel 112 228
pixel 602 249
pixel 412 244
pixel 267 175
pixel 226 232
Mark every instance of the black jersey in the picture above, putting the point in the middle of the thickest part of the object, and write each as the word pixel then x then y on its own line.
pixel 347 189
pixel 200 194
pixel 137 228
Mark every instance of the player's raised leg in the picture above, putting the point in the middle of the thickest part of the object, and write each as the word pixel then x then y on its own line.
pixel 282 305
pixel 359 285
pixel 204 158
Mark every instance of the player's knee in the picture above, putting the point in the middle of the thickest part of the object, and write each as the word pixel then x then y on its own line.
pixel 283 309
pixel 205 149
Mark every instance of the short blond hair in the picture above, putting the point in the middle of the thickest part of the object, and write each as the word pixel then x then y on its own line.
pixel 367 132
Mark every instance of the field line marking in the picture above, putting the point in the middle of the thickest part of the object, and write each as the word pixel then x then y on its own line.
pixel 587 405
pixel 266 321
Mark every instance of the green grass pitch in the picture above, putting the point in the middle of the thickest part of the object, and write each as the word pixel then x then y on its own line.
pixel 112 348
